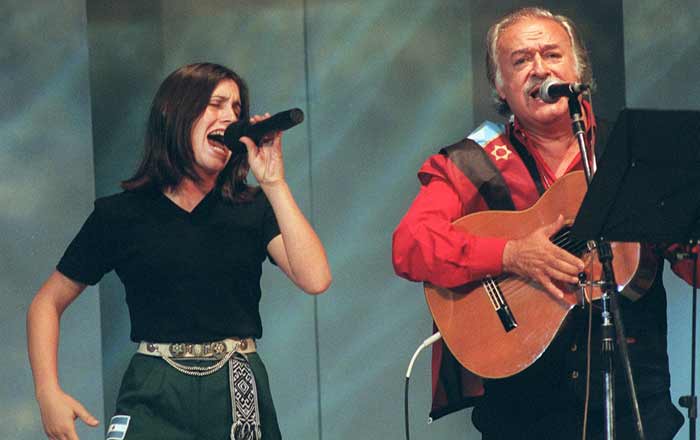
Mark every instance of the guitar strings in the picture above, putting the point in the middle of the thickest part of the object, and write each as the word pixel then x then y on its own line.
pixel 490 286
pixel 563 240
pixel 511 285
pixel 493 285
pixel 494 293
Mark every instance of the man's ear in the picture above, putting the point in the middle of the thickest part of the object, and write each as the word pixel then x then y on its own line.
pixel 500 93
pixel 499 90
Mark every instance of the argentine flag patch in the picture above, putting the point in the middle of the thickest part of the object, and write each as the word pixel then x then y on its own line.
pixel 486 132
pixel 117 427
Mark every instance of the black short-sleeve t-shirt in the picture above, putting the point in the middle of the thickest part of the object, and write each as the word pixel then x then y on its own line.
pixel 189 276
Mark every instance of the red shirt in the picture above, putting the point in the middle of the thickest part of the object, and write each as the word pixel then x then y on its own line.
pixel 426 247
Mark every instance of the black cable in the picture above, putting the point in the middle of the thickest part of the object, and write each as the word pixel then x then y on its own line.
pixel 692 379
pixel 405 409
pixel 690 401
pixel 692 408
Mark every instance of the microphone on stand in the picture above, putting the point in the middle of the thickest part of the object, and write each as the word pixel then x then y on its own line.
pixel 278 122
pixel 552 89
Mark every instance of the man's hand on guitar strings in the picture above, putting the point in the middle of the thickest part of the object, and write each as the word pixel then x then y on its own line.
pixel 537 258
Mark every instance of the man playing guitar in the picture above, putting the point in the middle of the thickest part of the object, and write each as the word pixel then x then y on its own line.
pixel 508 167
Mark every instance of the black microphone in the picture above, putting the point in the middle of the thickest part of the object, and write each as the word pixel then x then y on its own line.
pixel 552 89
pixel 277 122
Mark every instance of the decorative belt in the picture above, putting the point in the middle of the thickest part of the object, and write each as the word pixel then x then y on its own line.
pixel 201 351
pixel 244 394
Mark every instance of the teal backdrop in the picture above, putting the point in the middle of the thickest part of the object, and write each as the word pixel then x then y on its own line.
pixel 383 85
pixel 47 184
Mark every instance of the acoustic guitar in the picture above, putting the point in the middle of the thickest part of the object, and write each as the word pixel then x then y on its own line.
pixel 498 326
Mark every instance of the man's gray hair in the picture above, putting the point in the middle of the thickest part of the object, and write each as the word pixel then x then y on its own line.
pixel 493 71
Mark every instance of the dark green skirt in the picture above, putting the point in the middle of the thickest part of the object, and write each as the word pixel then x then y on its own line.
pixel 162 402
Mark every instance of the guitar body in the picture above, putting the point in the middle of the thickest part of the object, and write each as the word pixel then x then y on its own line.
pixel 499 326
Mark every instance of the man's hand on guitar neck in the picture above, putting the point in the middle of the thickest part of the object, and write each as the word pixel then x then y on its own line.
pixel 536 257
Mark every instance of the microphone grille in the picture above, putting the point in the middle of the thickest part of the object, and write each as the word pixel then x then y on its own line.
pixel 544 90
pixel 296 115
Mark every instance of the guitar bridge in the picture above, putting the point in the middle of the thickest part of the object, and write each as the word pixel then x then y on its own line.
pixel 499 303
pixel 507 318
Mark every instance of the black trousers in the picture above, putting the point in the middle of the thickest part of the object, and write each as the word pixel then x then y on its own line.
pixel 660 418
pixel 546 402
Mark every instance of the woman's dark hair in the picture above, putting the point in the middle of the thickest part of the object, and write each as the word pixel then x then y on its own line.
pixel 168 157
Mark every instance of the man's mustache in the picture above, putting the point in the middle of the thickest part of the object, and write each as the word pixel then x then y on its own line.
pixel 533 84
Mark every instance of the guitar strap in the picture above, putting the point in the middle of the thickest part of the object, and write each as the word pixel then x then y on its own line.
pixel 470 158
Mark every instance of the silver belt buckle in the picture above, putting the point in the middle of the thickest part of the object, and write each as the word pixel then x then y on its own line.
pixel 218 349
pixel 207 350
pixel 176 350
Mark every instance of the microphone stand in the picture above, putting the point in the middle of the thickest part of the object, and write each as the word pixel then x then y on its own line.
pixel 691 401
pixel 611 327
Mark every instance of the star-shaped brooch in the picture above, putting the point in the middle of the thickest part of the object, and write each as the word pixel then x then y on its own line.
pixel 501 152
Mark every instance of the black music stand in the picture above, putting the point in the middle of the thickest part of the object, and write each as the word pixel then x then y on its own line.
pixel 647 189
